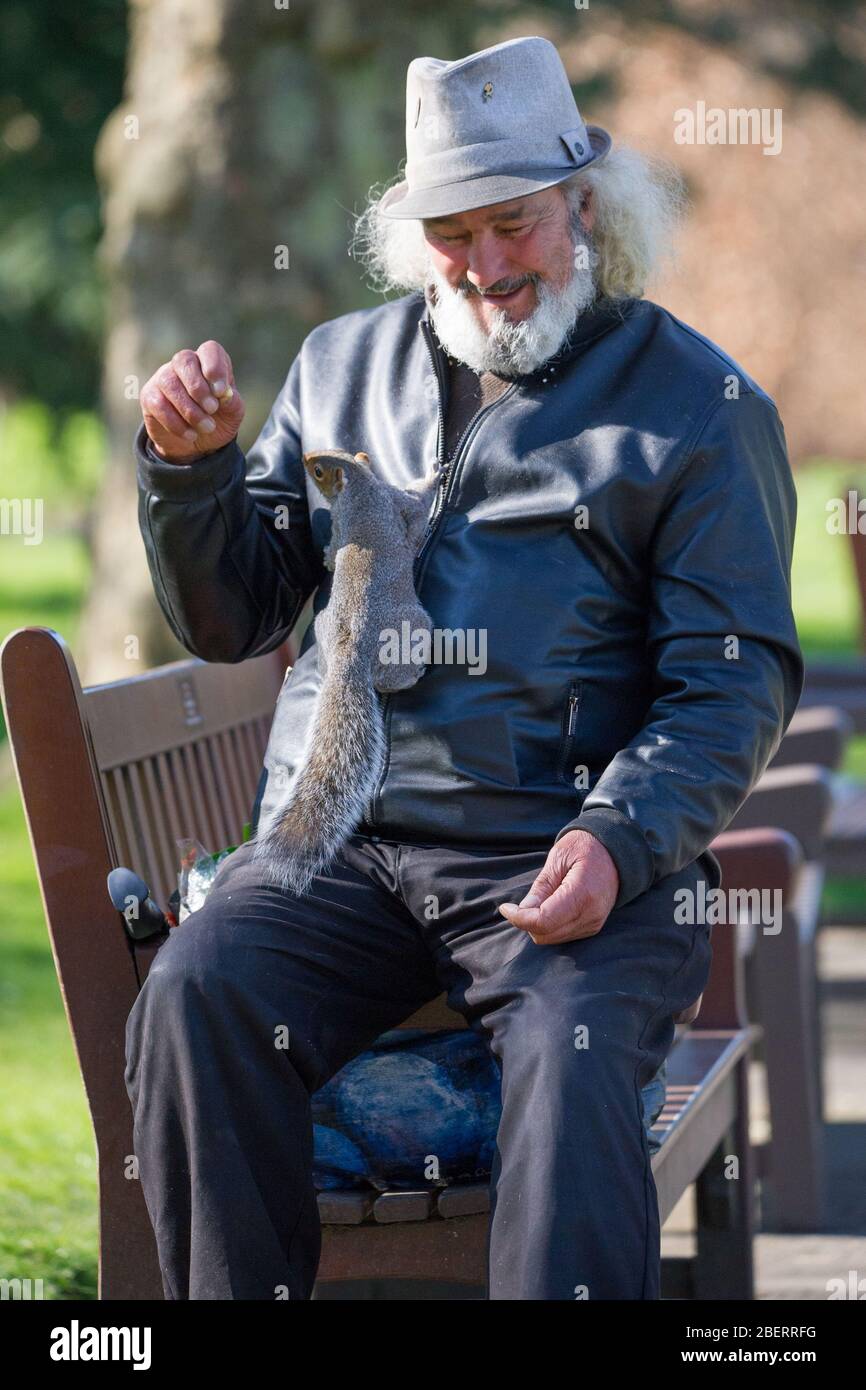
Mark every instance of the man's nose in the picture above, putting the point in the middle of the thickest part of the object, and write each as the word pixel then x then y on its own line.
pixel 487 264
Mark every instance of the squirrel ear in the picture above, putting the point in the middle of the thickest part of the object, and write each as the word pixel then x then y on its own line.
pixel 362 458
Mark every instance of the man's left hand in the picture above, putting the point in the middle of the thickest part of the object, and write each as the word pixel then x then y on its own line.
pixel 572 896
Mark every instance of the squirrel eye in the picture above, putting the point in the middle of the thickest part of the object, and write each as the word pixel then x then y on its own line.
pixel 318 471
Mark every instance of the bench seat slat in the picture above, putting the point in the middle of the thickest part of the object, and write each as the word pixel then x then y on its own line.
pixel 345 1208
pixel 464 1200
pixel 402 1206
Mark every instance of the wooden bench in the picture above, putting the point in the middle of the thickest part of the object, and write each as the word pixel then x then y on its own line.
pixel 782 992
pixel 114 774
pixel 819 735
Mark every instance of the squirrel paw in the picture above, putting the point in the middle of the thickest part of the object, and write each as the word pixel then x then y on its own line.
pixel 395 676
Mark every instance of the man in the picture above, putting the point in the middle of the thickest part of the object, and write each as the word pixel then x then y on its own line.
pixel 615 512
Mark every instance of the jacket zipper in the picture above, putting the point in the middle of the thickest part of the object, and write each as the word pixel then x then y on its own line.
pixel 570 724
pixel 447 471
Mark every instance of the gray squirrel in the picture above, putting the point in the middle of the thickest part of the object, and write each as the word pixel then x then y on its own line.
pixel 376 531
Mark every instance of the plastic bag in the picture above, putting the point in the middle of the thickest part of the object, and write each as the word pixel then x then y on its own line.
pixel 198 868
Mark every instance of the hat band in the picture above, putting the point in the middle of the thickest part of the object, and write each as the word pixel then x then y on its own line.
pixel 520 156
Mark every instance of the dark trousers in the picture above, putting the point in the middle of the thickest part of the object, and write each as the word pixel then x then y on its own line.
pixel 223 1132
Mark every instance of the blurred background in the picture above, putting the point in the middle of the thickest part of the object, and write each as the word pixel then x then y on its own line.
pixel 154 154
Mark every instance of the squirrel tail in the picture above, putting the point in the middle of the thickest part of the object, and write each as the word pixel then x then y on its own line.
pixel 346 754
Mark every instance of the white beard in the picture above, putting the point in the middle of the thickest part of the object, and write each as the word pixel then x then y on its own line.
pixel 509 348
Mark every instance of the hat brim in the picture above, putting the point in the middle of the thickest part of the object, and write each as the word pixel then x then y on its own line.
pixel 450 198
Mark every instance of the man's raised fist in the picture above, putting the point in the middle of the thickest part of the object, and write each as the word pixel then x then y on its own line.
pixel 191 406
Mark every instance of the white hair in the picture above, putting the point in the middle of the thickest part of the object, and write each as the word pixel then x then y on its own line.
pixel 638 202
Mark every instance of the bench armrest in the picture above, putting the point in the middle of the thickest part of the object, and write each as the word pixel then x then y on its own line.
pixel 798 799
pixel 817 735
pixel 762 858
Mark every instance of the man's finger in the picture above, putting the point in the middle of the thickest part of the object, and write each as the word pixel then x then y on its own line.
pixel 587 926
pixel 174 390
pixel 188 369
pixel 560 908
pixel 159 414
pixel 546 882
pixel 216 367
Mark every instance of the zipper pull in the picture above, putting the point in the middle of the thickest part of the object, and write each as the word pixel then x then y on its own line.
pixel 572 715
pixel 438 495
pixel 443 478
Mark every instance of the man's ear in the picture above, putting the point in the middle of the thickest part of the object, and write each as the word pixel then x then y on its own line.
pixel 587 210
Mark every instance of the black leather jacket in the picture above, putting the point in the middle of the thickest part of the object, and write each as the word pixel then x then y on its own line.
pixel 642 658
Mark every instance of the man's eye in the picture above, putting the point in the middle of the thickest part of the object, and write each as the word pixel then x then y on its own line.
pixel 513 231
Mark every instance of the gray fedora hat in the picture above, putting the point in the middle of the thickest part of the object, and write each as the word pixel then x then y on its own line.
pixel 492 126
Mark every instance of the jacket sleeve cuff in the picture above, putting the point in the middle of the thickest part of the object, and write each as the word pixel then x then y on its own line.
pixel 184 482
pixel 626 845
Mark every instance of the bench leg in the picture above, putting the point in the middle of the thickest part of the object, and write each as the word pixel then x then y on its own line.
pixel 789 1016
pixel 128 1262
pixel 725 1211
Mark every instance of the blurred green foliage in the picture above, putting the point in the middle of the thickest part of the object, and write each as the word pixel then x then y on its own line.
pixel 59 457
pixel 63 71
pixel 823 584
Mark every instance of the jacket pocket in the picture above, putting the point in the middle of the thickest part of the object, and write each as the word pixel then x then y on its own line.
pixel 568 739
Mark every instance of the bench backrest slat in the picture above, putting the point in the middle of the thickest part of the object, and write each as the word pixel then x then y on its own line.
pixel 179 752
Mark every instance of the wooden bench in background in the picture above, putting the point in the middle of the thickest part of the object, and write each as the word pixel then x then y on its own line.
pixel 115 774
pixel 782 992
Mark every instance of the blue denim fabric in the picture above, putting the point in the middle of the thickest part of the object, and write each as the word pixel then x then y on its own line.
pixel 653 1097
pixel 416 1092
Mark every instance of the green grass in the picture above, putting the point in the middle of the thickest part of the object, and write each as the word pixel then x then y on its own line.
pixel 824 593
pixel 48 1227
pixel 56 461
pixel 844 900
pixel 47 1154
pixel 48 1221
pixel 42 585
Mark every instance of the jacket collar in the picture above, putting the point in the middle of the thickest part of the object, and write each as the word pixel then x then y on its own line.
pixel 602 315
